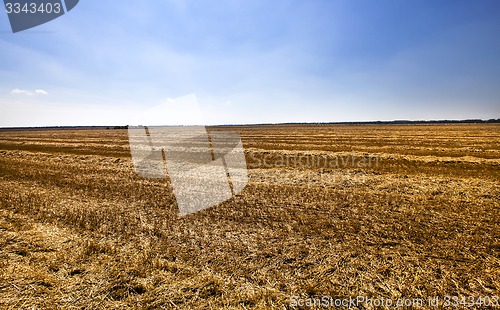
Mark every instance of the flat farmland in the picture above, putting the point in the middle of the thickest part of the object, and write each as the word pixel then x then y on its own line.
pixel 380 211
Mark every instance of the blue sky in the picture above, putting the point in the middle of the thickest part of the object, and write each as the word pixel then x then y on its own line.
pixel 255 61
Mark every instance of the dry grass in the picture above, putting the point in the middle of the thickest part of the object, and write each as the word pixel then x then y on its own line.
pixel 78 229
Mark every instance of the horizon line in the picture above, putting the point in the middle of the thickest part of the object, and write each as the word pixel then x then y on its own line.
pixel 395 122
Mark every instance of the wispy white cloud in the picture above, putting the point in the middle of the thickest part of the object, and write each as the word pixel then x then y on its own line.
pixel 41 92
pixel 17 91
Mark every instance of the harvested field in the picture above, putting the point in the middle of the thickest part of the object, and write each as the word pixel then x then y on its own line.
pixel 382 211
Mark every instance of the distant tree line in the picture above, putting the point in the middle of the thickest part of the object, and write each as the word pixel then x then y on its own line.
pixel 117 127
pixel 445 121
pixel 396 122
